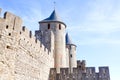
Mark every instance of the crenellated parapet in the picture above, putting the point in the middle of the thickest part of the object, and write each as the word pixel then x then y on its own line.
pixel 28 58
pixel 11 26
pixel 78 74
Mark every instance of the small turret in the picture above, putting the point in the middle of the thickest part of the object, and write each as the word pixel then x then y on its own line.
pixel 72 53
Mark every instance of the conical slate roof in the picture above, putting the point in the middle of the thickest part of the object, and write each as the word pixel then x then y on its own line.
pixel 53 17
pixel 68 40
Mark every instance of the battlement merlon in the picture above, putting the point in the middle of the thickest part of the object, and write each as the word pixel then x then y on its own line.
pixel 11 21
pixel 13 25
pixel 81 64
pixel 104 72
pixel 90 74
pixel 14 20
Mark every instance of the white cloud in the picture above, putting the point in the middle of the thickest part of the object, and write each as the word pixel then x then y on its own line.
pixel 32 18
pixel 103 16
pixel 100 41
pixel 102 20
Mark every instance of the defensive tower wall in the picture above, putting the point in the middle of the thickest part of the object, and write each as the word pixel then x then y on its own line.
pixel 58 28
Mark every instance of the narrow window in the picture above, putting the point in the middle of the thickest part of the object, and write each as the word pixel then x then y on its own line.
pixel 48 26
pixel 8 47
pixel 9 34
pixel 80 67
pixel 23 28
pixel 71 55
pixel 30 34
pixel 36 40
pixel 20 32
pixel 6 26
pixel 59 26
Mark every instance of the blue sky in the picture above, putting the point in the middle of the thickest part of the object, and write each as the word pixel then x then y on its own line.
pixel 94 26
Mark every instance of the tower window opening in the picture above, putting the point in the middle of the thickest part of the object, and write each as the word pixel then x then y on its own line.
pixel 48 26
pixel 80 67
pixel 9 34
pixel 59 26
pixel 71 55
pixel 8 47
pixel 23 28
pixel 7 27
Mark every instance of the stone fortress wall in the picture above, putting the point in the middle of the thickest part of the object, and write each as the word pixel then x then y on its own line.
pixel 81 72
pixel 22 56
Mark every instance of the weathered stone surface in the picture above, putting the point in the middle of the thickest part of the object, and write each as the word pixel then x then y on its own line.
pixel 21 56
pixel 88 73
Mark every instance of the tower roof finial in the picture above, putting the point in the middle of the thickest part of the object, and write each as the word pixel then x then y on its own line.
pixel 54 5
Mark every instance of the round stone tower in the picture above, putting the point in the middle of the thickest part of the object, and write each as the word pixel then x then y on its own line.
pixel 72 53
pixel 54 24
